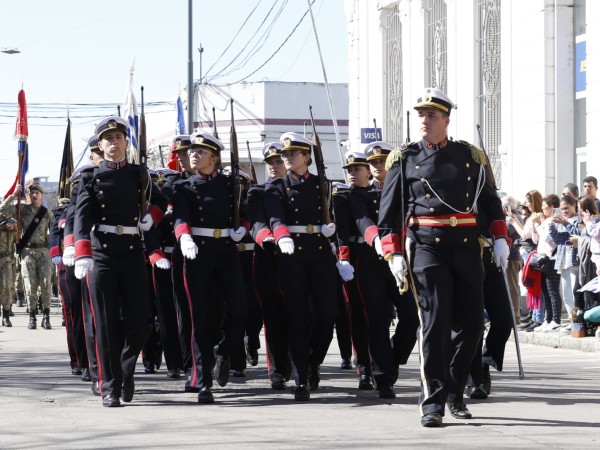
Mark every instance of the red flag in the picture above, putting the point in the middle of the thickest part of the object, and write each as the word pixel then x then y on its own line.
pixel 173 161
pixel 21 134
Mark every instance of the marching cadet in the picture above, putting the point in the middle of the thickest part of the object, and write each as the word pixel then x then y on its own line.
pixel 349 241
pixel 35 223
pixel 265 273
pixel 7 246
pixel 376 285
pixel 108 250
pixel 202 209
pixel 68 261
pixel 436 188
pixel 305 267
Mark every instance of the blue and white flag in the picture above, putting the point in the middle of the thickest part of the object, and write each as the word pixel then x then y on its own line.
pixel 180 117
pixel 130 114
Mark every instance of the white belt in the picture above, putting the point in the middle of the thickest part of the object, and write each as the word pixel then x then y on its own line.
pixel 308 229
pixel 357 239
pixel 211 232
pixel 168 249
pixel 118 229
pixel 245 247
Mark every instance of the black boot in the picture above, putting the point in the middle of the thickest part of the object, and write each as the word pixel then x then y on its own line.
pixel 32 321
pixel 46 320
pixel 6 318
pixel 20 299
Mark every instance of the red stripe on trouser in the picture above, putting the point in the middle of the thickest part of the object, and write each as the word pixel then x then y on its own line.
pixel 98 360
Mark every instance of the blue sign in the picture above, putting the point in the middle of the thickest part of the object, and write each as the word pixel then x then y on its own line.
pixel 368 135
pixel 580 67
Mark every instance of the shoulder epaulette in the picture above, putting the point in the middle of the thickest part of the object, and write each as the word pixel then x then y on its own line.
pixel 477 154
pixel 399 153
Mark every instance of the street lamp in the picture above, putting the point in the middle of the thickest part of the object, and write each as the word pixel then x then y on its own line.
pixel 10 50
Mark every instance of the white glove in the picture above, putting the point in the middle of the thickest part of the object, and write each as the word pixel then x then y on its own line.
pixel 56 260
pixel 345 269
pixel 377 246
pixel 501 252
pixel 83 266
pixel 146 223
pixel 328 230
pixel 188 247
pixel 163 263
pixel 238 234
pixel 398 267
pixel 286 245
pixel 69 256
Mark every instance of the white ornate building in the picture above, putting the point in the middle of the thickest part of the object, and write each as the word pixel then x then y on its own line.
pixel 517 68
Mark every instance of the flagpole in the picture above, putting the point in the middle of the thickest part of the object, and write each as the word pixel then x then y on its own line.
pixel 190 99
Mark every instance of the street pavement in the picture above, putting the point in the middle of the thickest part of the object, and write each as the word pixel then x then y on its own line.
pixel 556 405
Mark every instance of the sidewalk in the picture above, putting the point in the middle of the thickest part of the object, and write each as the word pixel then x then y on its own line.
pixel 557 339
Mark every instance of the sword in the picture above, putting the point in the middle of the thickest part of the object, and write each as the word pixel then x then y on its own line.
pixel 514 323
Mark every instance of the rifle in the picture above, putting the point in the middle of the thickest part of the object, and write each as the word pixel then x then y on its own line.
pixel 142 153
pixel 320 163
pixel 215 132
pixel 407 127
pixel 375 126
pixel 253 179
pixel 235 173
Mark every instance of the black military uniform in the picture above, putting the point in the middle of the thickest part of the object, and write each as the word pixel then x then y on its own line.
pixel 265 281
pixel 106 221
pixel 437 189
pixel 202 209
pixel 306 277
pixel 348 242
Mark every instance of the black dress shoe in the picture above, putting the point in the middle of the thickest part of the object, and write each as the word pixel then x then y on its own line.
pixel 150 368
pixel 252 356
pixel 205 396
pixel 128 389
pixel 486 384
pixel 85 375
pixel 476 392
pixel 432 420
pixel 174 373
pixel 346 364
pixel 76 371
pixel 278 383
pixel 190 388
pixel 238 373
pixel 110 401
pixel 301 393
pixel 314 377
pixel 386 391
pixel 364 383
pixel 221 370
pixel 460 411
pixel 95 388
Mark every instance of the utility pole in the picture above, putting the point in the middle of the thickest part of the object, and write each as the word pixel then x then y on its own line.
pixel 200 50
pixel 190 96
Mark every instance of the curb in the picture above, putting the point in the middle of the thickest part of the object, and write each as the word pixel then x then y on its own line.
pixel 559 340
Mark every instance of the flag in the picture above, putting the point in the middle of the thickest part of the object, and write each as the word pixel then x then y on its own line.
pixel 180 117
pixel 130 114
pixel 173 161
pixel 66 166
pixel 21 134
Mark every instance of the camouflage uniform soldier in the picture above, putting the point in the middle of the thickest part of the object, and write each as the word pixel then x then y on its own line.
pixel 35 255
pixel 7 241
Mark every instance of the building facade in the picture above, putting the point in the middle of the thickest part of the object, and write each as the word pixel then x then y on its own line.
pixel 517 70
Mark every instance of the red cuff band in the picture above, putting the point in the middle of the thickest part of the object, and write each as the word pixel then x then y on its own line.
pixel 184 228
pixel 54 251
pixel 392 243
pixel 498 229
pixel 280 232
pixel 244 223
pixel 156 255
pixel 68 240
pixel 371 233
pixel 83 249
pixel 344 253
pixel 262 235
pixel 61 223
pixel 156 214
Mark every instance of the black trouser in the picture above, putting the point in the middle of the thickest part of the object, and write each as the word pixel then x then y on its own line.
pixel 182 307
pixel 449 284
pixel 118 285
pixel 152 351
pixel 90 330
pixel 342 322
pixel 217 267
pixel 254 322
pixel 70 291
pixel 167 318
pixel 307 282
pixel 498 306
pixel 380 295
pixel 273 310
pixel 552 298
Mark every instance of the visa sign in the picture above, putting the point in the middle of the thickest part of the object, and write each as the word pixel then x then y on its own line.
pixel 368 135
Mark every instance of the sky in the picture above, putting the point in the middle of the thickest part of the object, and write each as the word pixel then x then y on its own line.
pixel 79 53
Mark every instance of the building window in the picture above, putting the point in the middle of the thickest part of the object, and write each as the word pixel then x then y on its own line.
pixel 436 66
pixel 392 73
pixel 489 95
